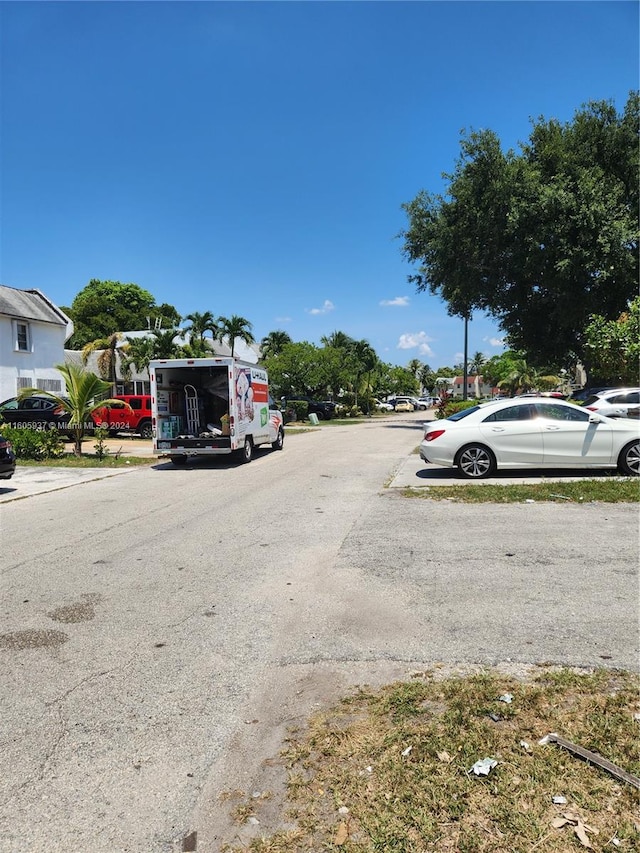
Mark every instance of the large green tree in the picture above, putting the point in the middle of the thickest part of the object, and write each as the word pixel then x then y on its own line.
pixel 541 239
pixel 304 368
pixel 103 308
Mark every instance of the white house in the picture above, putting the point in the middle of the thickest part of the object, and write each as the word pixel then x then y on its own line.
pixel 33 332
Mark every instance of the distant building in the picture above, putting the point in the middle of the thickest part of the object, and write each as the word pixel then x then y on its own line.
pixel 33 332
pixel 477 388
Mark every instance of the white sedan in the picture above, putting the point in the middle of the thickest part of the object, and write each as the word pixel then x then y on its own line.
pixel 531 433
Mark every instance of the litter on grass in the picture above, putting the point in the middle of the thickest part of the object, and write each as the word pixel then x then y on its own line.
pixel 484 766
pixel 506 697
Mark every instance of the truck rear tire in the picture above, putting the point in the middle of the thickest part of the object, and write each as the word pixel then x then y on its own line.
pixel 246 452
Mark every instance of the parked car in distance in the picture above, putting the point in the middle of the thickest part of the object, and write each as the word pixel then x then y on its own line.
pixel 132 413
pixel 428 401
pixel 324 411
pixel 404 406
pixel 7 459
pixel 383 406
pixel 401 399
pixel 615 403
pixel 418 404
pixel 36 412
pixel 580 395
pixel 531 433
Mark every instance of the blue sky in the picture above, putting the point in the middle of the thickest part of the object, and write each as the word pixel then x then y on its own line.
pixel 252 157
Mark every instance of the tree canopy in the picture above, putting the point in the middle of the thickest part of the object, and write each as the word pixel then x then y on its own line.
pixel 542 239
pixel 614 346
pixel 103 308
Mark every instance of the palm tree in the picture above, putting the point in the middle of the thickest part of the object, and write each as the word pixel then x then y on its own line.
pixel 426 378
pixel 339 340
pixel 84 394
pixel 477 360
pixel 523 377
pixel 414 367
pixel 107 358
pixel 273 343
pixel 200 324
pixel 365 358
pixel 232 328
pixel 164 345
pixel 137 352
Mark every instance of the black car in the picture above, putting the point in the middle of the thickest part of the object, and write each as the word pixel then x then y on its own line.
pixel 7 459
pixel 35 412
pixel 323 410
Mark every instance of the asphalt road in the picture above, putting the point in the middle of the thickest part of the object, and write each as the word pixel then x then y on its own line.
pixel 162 628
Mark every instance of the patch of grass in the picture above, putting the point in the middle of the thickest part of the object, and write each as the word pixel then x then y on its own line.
pixel 390 770
pixel 604 490
pixel 89 460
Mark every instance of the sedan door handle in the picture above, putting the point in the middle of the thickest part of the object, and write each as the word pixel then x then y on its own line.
pixel 552 428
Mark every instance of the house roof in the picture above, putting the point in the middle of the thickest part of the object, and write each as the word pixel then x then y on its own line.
pixel 30 305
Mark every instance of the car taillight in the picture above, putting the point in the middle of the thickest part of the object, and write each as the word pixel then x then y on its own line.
pixel 591 408
pixel 58 410
pixel 5 445
pixel 435 433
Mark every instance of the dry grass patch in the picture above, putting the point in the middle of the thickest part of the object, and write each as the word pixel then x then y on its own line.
pixel 389 771
pixel 602 490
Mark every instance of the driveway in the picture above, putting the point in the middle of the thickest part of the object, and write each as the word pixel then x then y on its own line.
pixel 163 628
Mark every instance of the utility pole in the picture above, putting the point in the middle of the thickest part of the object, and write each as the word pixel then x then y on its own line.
pixel 466 357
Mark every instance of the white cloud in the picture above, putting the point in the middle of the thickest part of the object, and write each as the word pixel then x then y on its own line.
pixel 412 341
pixel 494 342
pixel 399 300
pixel 327 306
pixel 283 319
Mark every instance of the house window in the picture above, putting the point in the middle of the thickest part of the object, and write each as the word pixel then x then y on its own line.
pixel 22 336
pixel 52 385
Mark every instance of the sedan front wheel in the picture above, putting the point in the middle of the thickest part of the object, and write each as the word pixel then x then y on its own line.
pixel 629 460
pixel 476 462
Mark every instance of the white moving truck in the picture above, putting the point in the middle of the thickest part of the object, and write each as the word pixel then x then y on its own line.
pixel 210 407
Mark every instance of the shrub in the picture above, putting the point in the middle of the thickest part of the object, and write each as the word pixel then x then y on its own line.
pixel 446 408
pixel 300 407
pixel 33 443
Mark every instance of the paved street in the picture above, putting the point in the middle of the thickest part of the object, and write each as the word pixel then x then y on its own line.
pixel 162 627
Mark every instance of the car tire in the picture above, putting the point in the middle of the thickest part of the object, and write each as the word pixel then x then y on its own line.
pixel 246 451
pixel 145 429
pixel 179 460
pixel 629 460
pixel 321 416
pixel 278 444
pixel 475 462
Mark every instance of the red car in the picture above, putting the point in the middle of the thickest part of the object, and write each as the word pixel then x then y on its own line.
pixel 132 413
